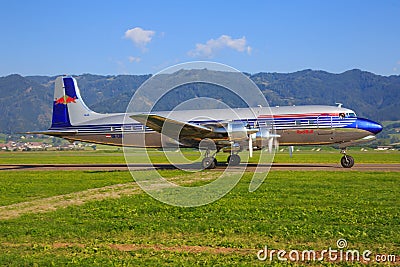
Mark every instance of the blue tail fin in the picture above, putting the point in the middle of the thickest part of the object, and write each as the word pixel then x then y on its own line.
pixel 60 108
pixel 68 106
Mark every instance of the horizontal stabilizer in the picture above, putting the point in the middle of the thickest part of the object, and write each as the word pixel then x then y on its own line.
pixel 54 133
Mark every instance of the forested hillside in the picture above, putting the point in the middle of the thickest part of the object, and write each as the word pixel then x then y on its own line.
pixel 26 102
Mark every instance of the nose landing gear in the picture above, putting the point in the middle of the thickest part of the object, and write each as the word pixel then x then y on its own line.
pixel 346 161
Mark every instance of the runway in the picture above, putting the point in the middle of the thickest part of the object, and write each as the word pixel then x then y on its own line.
pixel 387 167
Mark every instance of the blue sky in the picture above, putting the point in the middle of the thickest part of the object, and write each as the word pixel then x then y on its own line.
pixel 141 37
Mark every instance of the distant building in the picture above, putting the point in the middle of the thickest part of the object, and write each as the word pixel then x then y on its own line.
pixel 28 146
pixel 381 148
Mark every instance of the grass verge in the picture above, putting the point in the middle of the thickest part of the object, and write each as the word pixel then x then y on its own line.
pixel 291 210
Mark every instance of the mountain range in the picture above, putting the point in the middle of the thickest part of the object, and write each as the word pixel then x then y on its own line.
pixel 26 102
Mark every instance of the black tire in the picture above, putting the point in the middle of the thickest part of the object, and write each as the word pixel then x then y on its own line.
pixel 208 163
pixel 347 161
pixel 215 162
pixel 234 160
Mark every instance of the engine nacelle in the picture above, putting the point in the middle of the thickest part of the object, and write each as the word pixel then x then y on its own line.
pixel 237 131
pixel 264 138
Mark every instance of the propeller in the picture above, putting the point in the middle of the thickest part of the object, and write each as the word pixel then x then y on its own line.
pixel 250 146
pixel 267 139
pixel 276 144
pixel 251 137
pixel 270 144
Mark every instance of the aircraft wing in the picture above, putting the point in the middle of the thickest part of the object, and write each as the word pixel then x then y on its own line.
pixel 175 129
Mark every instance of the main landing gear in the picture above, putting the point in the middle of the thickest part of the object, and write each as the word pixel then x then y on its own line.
pixel 346 161
pixel 210 162
pixel 234 160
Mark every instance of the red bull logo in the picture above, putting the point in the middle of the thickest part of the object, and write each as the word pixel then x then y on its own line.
pixel 65 100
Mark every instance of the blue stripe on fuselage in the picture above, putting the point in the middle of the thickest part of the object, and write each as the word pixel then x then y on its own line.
pixel 278 124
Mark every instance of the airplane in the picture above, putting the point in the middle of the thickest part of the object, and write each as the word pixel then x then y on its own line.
pixel 244 129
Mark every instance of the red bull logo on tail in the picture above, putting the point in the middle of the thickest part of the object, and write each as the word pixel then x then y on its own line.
pixel 65 100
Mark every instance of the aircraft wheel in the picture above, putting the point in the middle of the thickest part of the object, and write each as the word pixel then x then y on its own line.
pixel 347 161
pixel 208 163
pixel 234 160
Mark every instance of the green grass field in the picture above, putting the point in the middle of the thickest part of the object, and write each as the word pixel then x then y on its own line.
pixel 101 218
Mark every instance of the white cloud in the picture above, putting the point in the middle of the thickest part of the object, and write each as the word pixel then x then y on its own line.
pixel 134 59
pixel 224 41
pixel 139 36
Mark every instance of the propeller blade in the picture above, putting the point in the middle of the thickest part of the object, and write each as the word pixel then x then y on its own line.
pixel 276 144
pixel 251 146
pixel 270 144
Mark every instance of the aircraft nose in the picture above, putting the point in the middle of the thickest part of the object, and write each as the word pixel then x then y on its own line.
pixel 369 126
pixel 378 128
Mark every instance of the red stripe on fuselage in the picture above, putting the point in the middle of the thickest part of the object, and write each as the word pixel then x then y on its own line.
pixel 297 115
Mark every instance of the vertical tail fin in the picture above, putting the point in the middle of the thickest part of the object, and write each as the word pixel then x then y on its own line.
pixel 68 106
pixel 60 109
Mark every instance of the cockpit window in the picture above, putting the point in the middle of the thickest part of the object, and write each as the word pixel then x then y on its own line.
pixel 351 115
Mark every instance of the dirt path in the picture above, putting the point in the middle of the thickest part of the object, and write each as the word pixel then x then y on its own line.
pixel 95 194
pixel 62 201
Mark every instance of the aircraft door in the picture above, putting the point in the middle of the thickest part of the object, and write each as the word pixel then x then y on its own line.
pixel 324 127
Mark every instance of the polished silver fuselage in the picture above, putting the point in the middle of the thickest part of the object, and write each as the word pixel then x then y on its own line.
pixel 296 125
